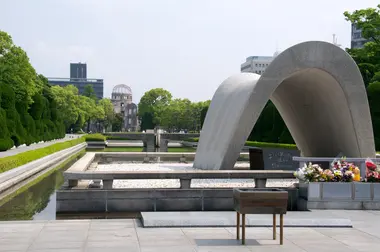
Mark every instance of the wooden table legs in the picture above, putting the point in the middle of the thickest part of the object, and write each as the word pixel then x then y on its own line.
pixel 274 227
pixel 237 226
pixel 281 229
pixel 243 228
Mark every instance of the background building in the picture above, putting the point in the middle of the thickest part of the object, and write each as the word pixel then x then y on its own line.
pixel 257 64
pixel 121 98
pixel 78 78
pixel 78 70
pixel 357 41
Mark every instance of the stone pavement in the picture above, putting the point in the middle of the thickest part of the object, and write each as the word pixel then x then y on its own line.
pixel 314 218
pixel 36 146
pixel 128 236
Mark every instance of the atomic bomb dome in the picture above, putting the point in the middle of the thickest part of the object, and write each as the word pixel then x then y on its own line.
pixel 121 98
pixel 122 92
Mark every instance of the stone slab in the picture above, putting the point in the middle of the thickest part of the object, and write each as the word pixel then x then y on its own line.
pixel 280 159
pixel 228 219
pixel 127 235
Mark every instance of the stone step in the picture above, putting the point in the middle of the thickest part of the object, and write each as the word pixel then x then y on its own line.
pixel 228 219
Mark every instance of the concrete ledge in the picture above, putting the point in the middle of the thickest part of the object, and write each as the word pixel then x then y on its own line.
pixel 197 174
pixel 228 219
pixel 83 163
pixel 96 144
pixel 16 175
pixel 335 195
pixel 139 200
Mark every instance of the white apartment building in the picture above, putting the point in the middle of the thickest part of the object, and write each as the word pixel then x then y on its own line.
pixel 357 41
pixel 257 64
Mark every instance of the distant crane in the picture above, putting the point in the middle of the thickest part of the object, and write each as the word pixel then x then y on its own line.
pixel 335 41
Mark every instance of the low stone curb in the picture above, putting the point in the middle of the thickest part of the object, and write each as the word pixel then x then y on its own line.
pixel 18 174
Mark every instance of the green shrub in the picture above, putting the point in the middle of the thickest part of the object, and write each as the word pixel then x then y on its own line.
pixel 8 163
pixel 192 139
pixel 95 137
pixel 6 144
pixel 255 144
pixel 117 138
pixel 5 138
pixel 271 145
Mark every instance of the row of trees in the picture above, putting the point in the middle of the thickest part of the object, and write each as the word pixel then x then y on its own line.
pixel 158 108
pixel 31 110
pixel 368 60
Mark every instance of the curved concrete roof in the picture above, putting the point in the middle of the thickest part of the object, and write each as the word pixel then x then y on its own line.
pixel 319 92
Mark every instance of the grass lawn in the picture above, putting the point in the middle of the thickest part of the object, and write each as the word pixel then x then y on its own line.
pixel 140 149
pixel 117 149
pixel 181 149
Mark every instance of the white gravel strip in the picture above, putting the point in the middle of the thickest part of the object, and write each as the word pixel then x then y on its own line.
pixel 174 183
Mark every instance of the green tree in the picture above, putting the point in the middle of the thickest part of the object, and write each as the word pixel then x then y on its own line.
pixel 28 110
pixel 147 121
pixel 368 59
pixel 16 70
pixel 109 113
pixel 67 101
pixel 373 91
pixel 117 123
pixel 15 128
pixel 154 101
pixel 203 114
pixel 89 92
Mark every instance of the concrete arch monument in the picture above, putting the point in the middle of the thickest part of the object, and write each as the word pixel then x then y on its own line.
pixel 319 92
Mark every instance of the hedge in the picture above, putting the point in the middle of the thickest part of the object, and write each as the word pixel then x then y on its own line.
pixel 117 138
pixel 271 145
pixel 8 163
pixel 255 144
pixel 95 138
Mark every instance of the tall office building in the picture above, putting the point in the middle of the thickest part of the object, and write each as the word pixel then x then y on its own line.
pixel 78 78
pixel 78 70
pixel 357 41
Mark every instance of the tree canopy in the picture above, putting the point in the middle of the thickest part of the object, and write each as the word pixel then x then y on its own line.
pixel 158 108
pixel 31 110
pixel 368 59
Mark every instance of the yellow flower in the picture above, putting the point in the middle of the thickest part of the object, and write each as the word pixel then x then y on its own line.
pixel 357 177
pixel 356 170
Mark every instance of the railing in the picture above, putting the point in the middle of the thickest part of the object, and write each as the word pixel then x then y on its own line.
pixel 149 156
pixel 185 177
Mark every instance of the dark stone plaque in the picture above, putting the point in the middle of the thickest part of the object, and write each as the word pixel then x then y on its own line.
pixel 280 159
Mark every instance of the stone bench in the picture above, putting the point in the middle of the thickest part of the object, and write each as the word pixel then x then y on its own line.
pixel 185 177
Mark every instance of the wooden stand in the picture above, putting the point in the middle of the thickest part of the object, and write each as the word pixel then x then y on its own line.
pixel 274 203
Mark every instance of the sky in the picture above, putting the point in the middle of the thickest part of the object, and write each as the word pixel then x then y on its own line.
pixel 188 47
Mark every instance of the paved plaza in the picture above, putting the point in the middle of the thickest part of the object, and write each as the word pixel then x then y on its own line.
pixel 128 236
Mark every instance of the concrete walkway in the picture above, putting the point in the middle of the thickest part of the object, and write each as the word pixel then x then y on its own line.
pixel 36 146
pixel 129 236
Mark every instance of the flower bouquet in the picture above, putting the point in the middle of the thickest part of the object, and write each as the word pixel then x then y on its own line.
pixel 340 171
pixel 372 172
